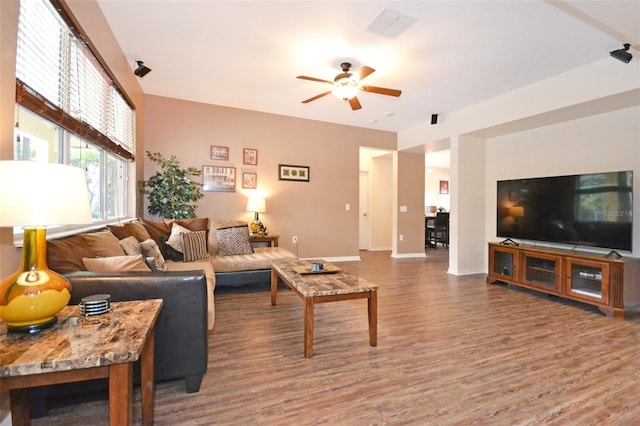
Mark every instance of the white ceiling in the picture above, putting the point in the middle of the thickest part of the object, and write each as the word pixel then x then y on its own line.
pixel 247 54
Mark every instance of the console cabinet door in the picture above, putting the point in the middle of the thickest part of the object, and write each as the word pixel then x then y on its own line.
pixel 541 270
pixel 503 263
pixel 588 280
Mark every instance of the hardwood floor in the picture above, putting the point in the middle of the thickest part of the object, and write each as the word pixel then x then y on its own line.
pixel 451 351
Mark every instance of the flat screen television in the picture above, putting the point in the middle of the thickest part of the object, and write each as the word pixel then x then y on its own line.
pixel 593 209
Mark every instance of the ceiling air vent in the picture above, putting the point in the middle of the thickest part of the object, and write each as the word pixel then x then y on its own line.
pixel 389 23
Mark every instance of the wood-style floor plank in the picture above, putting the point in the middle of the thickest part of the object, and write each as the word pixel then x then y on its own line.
pixel 451 351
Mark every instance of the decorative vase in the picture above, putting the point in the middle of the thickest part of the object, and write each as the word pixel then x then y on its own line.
pixel 31 297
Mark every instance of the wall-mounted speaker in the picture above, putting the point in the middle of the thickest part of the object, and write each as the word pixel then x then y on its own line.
pixel 434 118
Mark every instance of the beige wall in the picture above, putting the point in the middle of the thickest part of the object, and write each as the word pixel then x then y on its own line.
pixel 313 211
pixel 408 237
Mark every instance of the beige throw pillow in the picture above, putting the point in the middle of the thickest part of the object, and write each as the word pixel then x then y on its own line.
pixel 116 264
pixel 131 246
pixel 103 244
pixel 174 239
pixel 150 249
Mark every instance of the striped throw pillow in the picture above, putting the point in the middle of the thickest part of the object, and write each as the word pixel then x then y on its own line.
pixel 194 245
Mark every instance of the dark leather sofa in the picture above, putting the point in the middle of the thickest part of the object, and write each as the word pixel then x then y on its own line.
pixel 181 329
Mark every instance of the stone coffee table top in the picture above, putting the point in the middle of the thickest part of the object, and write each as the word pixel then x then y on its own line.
pixel 321 284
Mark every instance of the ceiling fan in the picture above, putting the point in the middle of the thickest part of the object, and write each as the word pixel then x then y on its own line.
pixel 346 85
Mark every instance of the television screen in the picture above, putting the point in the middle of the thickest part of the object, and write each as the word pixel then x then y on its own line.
pixel 587 210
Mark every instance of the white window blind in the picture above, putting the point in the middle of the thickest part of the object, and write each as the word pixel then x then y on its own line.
pixel 61 79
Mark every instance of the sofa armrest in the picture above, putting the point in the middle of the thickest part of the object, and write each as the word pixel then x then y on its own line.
pixel 181 332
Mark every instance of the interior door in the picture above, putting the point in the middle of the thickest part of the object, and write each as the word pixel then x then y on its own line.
pixel 363 212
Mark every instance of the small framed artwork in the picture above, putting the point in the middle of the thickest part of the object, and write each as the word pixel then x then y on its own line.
pixel 219 152
pixel 249 180
pixel 444 186
pixel 218 179
pixel 287 172
pixel 250 156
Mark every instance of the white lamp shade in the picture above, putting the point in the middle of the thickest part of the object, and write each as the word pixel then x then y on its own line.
pixel 257 205
pixel 37 194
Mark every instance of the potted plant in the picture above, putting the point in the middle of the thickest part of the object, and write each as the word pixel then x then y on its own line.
pixel 171 191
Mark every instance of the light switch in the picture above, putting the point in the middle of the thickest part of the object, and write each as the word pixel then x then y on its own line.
pixel 403 209
pixel 347 207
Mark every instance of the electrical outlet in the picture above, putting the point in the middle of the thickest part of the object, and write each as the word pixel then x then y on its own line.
pixel 294 239
pixel 401 237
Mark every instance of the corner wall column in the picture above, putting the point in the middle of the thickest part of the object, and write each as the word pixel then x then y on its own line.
pixel 467 189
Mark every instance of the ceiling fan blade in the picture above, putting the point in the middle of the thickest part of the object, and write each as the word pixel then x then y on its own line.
pixel 355 103
pixel 316 97
pixel 364 72
pixel 382 90
pixel 304 77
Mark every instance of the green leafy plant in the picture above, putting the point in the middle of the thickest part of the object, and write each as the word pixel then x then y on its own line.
pixel 171 191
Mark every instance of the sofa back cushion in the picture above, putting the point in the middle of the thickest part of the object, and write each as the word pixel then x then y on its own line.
pixel 130 229
pixel 65 255
pixel 116 264
pixel 103 244
pixel 198 224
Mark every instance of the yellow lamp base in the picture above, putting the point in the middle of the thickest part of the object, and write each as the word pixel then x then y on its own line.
pixel 32 313
pixel 31 297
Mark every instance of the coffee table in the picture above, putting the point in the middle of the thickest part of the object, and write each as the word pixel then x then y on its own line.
pixel 323 287
pixel 81 348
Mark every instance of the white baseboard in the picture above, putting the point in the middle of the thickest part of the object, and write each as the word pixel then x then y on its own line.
pixel 407 255
pixel 380 249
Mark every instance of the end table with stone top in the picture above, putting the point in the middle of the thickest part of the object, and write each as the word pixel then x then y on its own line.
pixel 315 288
pixel 81 348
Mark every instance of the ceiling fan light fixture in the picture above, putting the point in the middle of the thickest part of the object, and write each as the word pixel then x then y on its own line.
pixel 345 88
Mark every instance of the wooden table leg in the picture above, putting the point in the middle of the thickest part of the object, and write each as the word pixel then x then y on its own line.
pixel 20 406
pixel 372 305
pixel 274 286
pixel 148 385
pixel 121 394
pixel 308 327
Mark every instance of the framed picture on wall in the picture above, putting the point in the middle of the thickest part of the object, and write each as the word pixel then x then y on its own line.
pixel 250 156
pixel 249 180
pixel 219 152
pixel 299 173
pixel 444 186
pixel 218 179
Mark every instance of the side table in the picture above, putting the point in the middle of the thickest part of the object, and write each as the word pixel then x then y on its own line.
pixel 82 348
pixel 271 240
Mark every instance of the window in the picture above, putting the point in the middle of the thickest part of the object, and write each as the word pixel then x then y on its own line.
pixel 68 107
